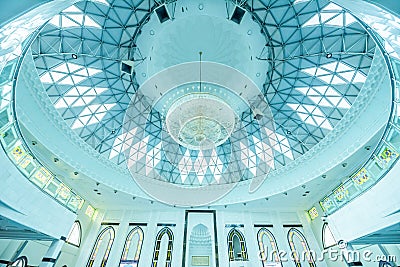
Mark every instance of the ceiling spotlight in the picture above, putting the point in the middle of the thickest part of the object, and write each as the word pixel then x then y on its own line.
pixel 34 143
pixel 367 147
pixel 328 55
pixel 244 204
pixel 344 165
pixel 238 14
pixel 55 159
pixel 257 114
pixel 133 198
pixel 323 176
pixel 288 132
pixel 74 56
pixel 162 13
pixel 285 193
pixel 113 132
pixel 304 186
pixel 76 173
pixel 266 198
pixel 115 191
pixel 307 192
pixel 127 66
pixel 97 183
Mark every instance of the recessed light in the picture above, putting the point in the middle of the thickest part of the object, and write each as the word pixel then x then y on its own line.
pixel 95 190
pixel 307 192
pixel 74 56
pixel 34 143
pixel 304 195
pixel 99 193
pixel 76 173
pixel 367 147
pixel 328 55
pixel 323 176
pixel 55 159
pixel 344 165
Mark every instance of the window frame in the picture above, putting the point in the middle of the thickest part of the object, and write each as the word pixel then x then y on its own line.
pixel 78 223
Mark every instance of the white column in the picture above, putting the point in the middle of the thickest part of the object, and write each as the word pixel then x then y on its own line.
pixel 52 253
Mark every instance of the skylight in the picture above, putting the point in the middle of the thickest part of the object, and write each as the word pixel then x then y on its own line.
pixel 249 159
pixel 68 74
pixel 185 165
pixel 73 17
pixel 79 96
pixel 336 73
pixel 331 15
pixel 92 114
pixel 216 165
pixel 279 143
pixel 264 152
pixel 312 115
pixel 122 142
pixel 325 96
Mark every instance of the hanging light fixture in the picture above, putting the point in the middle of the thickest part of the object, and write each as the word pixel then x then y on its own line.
pixel 200 120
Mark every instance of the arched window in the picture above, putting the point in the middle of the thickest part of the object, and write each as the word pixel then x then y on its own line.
pixel 102 247
pixel 328 240
pixel 269 253
pixel 20 262
pixel 74 236
pixel 159 253
pixel 301 241
pixel 132 248
pixel 237 250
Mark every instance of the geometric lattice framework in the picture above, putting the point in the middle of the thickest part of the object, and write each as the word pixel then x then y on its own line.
pixel 133 257
pixel 295 237
pixel 102 247
pixel 75 235
pixel 237 250
pixel 268 252
pixel 319 57
pixel 160 244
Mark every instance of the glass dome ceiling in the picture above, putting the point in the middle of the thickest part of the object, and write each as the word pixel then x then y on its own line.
pixel 308 61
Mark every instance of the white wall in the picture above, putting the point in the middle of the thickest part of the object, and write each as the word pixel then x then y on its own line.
pixel 32 207
pixel 176 216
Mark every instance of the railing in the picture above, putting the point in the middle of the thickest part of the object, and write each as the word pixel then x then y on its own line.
pixel 17 151
pixel 382 160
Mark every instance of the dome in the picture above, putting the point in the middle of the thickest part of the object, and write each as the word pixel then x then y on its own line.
pixel 198 103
